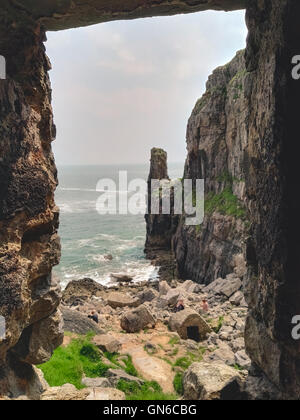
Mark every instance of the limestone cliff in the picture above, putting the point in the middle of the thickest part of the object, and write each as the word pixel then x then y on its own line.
pixel 216 142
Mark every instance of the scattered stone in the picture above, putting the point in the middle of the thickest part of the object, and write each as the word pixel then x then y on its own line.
pixel 107 343
pixel 121 278
pixel 147 295
pixel 81 290
pixel 223 353
pixel 121 300
pixel 78 323
pixel 183 322
pixel 242 360
pixel 137 319
pixel 233 284
pixel 115 375
pixel 96 383
pixel 105 394
pixel 237 298
pixel 163 288
pixel 66 392
pixel 172 297
pixel 211 381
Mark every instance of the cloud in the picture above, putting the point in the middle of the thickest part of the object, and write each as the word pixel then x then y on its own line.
pixel 121 87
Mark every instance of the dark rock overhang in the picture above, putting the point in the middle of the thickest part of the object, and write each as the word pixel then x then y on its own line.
pixel 64 14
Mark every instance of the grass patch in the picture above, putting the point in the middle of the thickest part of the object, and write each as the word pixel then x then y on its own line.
pixel 174 340
pixel 178 383
pixel 149 391
pixel 68 364
pixel 225 203
pixel 220 325
pixel 126 364
pixel 183 362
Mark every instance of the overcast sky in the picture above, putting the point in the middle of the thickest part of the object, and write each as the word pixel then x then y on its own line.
pixel 121 88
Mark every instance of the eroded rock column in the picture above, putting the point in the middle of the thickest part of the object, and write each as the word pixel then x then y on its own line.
pixel 29 245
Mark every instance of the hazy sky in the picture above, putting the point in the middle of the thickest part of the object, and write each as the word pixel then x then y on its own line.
pixel 121 88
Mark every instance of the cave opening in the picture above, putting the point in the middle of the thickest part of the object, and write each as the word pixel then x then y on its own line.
pixel 129 86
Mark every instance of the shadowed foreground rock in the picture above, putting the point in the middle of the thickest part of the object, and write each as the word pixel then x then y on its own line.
pixel 211 381
pixel 137 319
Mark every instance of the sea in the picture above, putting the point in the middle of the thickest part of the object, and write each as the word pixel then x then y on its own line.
pixel 88 238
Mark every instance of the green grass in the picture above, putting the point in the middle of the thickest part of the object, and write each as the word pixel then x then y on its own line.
pixel 68 364
pixel 174 340
pixel 149 391
pixel 183 362
pixel 225 203
pixel 237 367
pixel 127 362
pixel 220 325
pixel 178 383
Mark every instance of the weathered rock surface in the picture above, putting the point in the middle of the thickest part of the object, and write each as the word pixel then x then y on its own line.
pixel 66 392
pixel 212 381
pixel 78 323
pixel 181 321
pixel 137 319
pixel 96 383
pixel 121 300
pixel 106 342
pixel 80 290
pixel 115 375
pixel 105 394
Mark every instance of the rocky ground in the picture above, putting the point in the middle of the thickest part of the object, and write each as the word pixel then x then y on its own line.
pixel 139 320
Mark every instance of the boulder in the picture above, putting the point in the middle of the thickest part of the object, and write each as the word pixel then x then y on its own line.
pixel 172 296
pixel 121 278
pixel 232 285
pixel 211 381
pixel 147 295
pixel 237 298
pixel 223 353
pixel 66 392
pixel 226 287
pixel 96 383
pixel 163 288
pixel 137 319
pixel 106 342
pixel 105 394
pixel 183 322
pixel 78 323
pixel 121 300
pixel 242 360
pixel 190 286
pixel 81 290
pixel 115 375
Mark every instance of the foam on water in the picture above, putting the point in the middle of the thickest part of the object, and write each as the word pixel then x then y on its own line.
pixel 88 237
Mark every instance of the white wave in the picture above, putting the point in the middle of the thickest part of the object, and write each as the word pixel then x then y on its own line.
pixel 139 272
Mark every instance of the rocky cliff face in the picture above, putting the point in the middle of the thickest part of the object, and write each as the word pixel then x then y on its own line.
pixel 216 143
pixel 29 245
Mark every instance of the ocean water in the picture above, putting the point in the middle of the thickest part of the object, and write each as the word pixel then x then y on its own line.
pixel 87 237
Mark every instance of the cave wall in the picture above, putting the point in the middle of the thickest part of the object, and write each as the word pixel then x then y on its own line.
pixel 29 245
pixel 273 287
